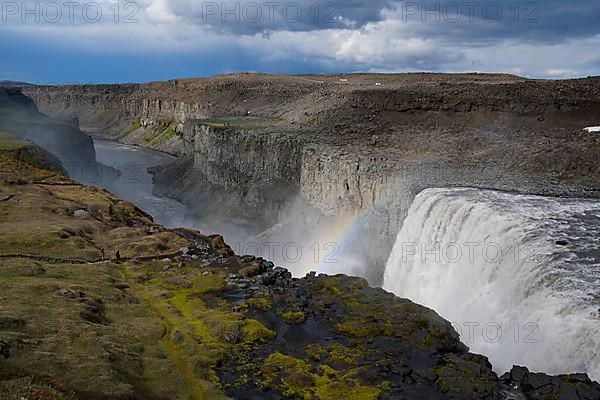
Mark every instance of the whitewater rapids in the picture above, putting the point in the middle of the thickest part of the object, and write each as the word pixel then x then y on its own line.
pixel 518 276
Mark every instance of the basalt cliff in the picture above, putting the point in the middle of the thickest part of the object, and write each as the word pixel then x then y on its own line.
pixel 289 157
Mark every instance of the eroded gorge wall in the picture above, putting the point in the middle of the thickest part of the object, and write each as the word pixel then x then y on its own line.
pixel 344 162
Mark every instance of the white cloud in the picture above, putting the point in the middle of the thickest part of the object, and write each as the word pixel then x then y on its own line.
pixel 159 12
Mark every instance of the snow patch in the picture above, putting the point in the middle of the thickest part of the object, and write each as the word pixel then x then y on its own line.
pixel 592 129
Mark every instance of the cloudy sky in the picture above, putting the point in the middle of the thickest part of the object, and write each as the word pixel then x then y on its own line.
pixel 108 41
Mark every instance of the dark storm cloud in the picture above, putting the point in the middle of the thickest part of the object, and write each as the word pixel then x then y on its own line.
pixel 480 22
pixel 248 17
pixel 477 21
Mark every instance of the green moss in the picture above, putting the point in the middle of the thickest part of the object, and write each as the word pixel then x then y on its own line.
pixel 209 283
pixel 338 354
pixel 187 341
pixel 329 284
pixel 293 317
pixel 299 379
pixel 200 338
pixel 221 327
pixel 158 282
pixel 341 390
pixel 294 369
pixel 283 361
pixel 161 134
pixel 255 332
pixel 361 328
pixel 134 127
pixel 168 133
pixel 196 388
pixel 260 303
pixel 186 301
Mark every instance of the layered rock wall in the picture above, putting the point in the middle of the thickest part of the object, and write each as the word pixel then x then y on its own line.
pixel 350 151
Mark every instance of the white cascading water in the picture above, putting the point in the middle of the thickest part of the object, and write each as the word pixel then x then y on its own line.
pixel 518 276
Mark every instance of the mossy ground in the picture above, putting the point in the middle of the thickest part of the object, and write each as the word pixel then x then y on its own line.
pixel 299 379
pixel 107 329
pixel 64 313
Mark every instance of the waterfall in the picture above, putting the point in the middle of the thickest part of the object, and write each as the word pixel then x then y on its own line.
pixel 518 276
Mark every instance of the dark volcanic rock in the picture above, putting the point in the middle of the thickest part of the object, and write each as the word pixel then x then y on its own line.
pixel 336 337
pixel 535 386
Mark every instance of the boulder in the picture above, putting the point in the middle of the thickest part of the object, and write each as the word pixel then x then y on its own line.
pixel 537 386
pixel 222 248
pixel 81 214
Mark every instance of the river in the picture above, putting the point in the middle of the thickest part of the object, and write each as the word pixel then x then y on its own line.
pixel 123 170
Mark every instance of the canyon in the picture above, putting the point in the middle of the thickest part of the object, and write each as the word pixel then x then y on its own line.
pixel 332 159
pixel 280 158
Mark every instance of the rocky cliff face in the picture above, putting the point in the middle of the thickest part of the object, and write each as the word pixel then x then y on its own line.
pixel 322 153
pixel 20 117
